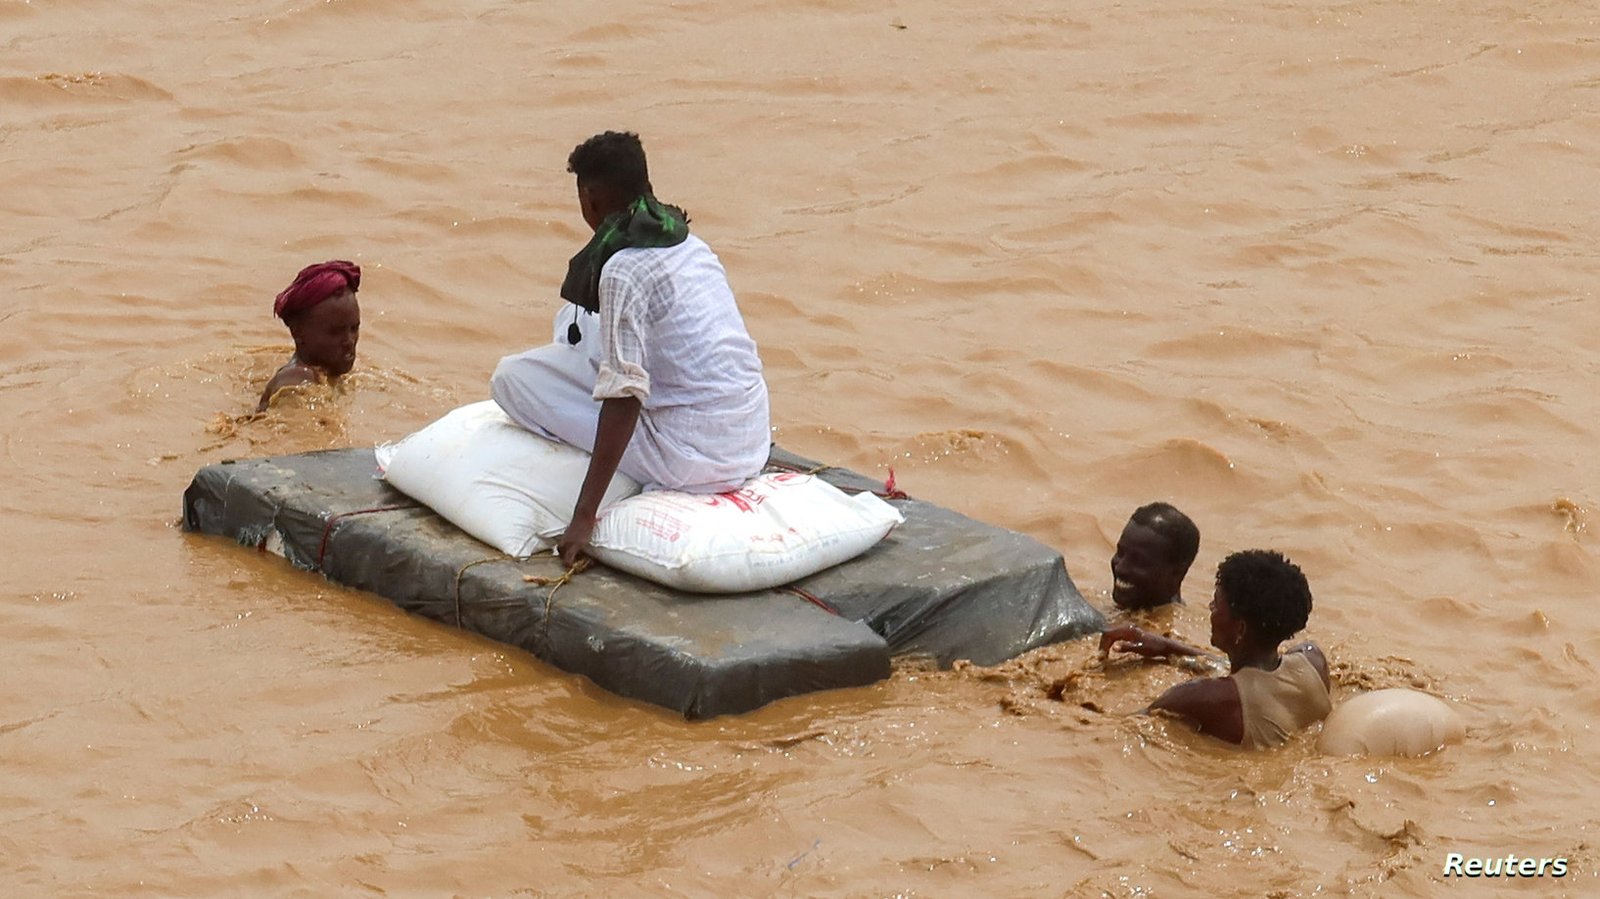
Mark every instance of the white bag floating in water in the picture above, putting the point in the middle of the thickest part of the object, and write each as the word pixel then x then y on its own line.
pixel 1390 722
pixel 504 485
pixel 775 529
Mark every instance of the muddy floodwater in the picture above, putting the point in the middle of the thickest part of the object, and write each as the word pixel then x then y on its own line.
pixel 1322 275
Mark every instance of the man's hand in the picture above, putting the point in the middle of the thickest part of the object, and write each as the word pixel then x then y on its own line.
pixel 1127 638
pixel 618 417
pixel 574 543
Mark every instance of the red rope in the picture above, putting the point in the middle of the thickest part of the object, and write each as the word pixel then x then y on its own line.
pixel 890 491
pixel 812 598
pixel 327 529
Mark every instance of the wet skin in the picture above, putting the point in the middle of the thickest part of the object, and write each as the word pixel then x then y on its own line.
pixel 619 416
pixel 1142 576
pixel 325 338
pixel 1211 703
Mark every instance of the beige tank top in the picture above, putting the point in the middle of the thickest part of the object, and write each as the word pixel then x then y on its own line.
pixel 1277 703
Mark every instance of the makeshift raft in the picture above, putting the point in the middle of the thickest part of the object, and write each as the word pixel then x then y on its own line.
pixel 941 585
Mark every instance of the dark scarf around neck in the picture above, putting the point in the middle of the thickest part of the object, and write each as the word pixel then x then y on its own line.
pixel 647 222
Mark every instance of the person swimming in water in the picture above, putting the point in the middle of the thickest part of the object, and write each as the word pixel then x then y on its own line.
pixel 1153 556
pixel 1261 600
pixel 324 319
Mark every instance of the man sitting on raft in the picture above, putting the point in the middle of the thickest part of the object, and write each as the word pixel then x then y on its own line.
pixel 324 319
pixel 1261 600
pixel 1153 556
pixel 676 400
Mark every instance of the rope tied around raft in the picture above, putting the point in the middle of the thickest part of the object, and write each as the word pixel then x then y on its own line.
pixel 889 491
pixel 796 469
pixel 327 527
pixel 555 583
pixel 462 571
pixel 812 598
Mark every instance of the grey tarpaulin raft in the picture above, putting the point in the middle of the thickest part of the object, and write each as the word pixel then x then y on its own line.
pixel 941 585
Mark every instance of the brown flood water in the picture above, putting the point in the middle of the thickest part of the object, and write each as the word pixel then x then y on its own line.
pixel 1322 275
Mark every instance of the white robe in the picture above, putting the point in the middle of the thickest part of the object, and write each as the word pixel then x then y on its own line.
pixel 669 334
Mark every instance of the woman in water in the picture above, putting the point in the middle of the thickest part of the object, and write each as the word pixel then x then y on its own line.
pixel 325 322
pixel 324 319
pixel 1261 600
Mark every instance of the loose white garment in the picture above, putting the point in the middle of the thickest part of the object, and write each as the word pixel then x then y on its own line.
pixel 670 334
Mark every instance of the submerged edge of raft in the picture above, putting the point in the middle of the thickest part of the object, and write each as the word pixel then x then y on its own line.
pixel 941 585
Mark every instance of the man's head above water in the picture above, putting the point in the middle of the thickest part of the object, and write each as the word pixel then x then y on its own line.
pixel 611 172
pixel 1153 554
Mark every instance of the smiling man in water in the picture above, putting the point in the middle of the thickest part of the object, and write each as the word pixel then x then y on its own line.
pixel 1153 555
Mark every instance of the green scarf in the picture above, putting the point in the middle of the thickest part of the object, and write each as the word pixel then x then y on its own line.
pixel 646 222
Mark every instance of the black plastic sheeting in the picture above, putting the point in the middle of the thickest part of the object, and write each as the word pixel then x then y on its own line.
pixel 941 585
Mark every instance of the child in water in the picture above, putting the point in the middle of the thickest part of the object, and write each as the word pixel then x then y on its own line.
pixel 324 319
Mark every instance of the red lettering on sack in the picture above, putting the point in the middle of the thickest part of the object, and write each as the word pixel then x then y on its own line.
pixel 739 500
pixel 668 527
pixel 745 499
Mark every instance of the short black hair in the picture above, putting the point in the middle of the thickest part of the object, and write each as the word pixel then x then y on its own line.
pixel 614 159
pixel 1267 592
pixel 1183 538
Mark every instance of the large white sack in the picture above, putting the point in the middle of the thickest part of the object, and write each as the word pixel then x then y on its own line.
pixel 1390 722
pixel 775 529
pixel 504 485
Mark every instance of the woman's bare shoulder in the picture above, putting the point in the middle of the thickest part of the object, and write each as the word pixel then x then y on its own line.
pixel 1313 654
pixel 293 372
pixel 1210 703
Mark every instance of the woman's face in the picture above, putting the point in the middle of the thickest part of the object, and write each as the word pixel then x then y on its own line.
pixel 1226 631
pixel 325 335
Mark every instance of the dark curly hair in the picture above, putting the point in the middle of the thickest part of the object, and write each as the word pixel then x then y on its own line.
pixel 1183 538
pixel 614 159
pixel 1266 591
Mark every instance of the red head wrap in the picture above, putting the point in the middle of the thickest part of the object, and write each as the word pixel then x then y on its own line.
pixel 316 283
